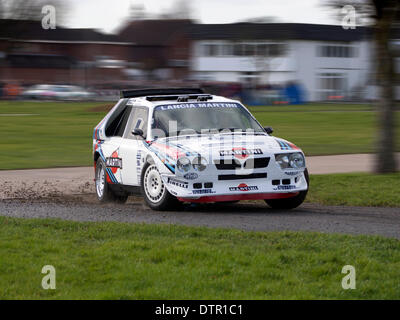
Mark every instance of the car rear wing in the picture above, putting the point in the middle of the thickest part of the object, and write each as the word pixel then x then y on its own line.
pixel 161 92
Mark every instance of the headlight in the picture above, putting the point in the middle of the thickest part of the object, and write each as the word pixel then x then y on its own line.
pixel 296 160
pixel 183 164
pixel 290 160
pixel 199 163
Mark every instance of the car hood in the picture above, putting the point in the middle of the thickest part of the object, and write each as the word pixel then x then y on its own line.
pixel 220 145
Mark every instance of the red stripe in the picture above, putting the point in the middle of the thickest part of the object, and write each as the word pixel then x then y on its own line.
pixel 173 152
pixel 293 146
pixel 236 197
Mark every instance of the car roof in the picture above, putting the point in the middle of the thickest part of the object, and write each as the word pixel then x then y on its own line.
pixel 153 97
pixel 152 104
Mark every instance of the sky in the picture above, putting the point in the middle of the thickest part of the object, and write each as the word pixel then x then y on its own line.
pixel 109 15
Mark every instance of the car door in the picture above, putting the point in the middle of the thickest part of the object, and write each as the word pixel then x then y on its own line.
pixel 109 148
pixel 131 145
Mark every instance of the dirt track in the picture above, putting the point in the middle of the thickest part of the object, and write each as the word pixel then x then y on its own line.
pixel 68 193
pixel 255 216
pixel 32 184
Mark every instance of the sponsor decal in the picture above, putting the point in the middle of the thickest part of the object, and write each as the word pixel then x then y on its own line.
pixel 286 145
pixel 243 187
pixel 109 171
pixel 114 162
pixel 139 165
pixel 285 187
pixel 292 173
pixel 191 176
pixel 168 162
pixel 240 153
pixel 203 191
pixel 198 105
pixel 178 183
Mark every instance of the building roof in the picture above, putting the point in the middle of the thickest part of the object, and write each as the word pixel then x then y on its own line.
pixel 276 31
pixel 27 30
pixel 153 32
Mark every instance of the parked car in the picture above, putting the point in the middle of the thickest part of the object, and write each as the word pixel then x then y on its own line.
pixel 37 91
pixel 181 145
pixel 57 92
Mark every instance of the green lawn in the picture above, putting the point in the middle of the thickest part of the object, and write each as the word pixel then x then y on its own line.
pixel 331 131
pixel 59 133
pixel 355 189
pixel 132 261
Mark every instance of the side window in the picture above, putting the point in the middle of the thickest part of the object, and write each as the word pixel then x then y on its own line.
pixel 138 121
pixel 138 124
pixel 117 126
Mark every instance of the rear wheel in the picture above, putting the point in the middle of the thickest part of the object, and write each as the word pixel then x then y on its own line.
pixel 290 203
pixel 103 190
pixel 154 191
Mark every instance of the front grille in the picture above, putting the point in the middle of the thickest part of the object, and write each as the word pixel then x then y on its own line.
pixel 232 164
pixel 223 177
pixel 256 163
pixel 227 164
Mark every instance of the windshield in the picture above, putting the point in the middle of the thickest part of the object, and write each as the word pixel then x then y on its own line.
pixel 191 118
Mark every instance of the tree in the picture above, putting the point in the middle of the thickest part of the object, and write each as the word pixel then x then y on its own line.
pixel 180 9
pixel 137 11
pixel 383 15
pixel 387 11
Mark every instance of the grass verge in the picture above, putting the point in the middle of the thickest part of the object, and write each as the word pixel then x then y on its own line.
pixel 355 189
pixel 134 261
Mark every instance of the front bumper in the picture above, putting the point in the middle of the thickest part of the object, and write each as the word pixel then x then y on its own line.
pixel 271 184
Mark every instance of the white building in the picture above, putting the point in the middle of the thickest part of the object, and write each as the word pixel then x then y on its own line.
pixel 328 61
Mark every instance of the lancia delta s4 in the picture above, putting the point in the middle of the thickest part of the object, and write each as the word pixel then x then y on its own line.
pixel 181 145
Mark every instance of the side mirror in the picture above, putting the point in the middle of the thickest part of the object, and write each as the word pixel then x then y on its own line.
pixel 137 132
pixel 268 130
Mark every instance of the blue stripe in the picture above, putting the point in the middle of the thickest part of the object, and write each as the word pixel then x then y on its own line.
pixel 169 166
pixel 111 175
pixel 109 172
pixel 284 145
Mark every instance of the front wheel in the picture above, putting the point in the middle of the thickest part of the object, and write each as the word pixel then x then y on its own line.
pixel 290 203
pixel 154 191
pixel 103 189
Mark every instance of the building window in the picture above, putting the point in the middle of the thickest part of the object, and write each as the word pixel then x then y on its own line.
pixel 210 50
pixel 227 50
pixel 244 49
pixel 335 51
pixel 249 50
pixel 238 49
pixel 276 50
pixel 331 86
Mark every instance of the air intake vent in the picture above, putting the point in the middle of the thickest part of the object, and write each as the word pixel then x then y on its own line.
pixel 227 164
pixel 183 99
pixel 223 177
pixel 256 163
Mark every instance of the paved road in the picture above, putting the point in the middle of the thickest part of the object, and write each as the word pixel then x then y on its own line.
pixel 50 182
pixel 244 216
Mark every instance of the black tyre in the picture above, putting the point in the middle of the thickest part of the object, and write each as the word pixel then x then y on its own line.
pixel 103 190
pixel 290 203
pixel 154 191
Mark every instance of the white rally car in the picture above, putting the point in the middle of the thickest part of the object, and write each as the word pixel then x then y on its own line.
pixel 181 145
